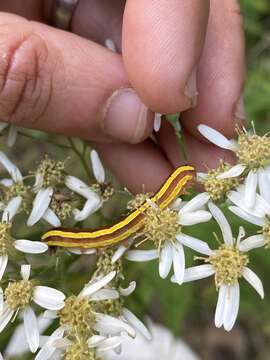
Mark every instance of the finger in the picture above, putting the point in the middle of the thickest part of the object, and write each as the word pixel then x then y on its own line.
pixel 221 72
pixel 201 155
pixel 87 94
pixel 162 43
pixel 30 9
pixel 142 167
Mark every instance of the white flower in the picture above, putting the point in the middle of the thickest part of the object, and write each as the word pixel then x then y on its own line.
pixel 12 133
pixel 18 296
pixel 93 201
pixel 163 346
pixel 171 252
pixel 157 122
pixel 228 263
pixel 253 155
pixel 110 331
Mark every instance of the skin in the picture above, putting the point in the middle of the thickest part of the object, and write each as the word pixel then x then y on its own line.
pixel 66 82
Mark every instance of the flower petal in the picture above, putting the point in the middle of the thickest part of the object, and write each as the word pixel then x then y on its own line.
pixel 165 260
pixel 129 290
pixel 31 329
pixel 216 137
pixel 234 171
pixel 105 294
pixel 97 167
pixel 7 182
pixel 1 300
pixel 95 340
pixel 48 298
pixel 110 343
pixel 252 242
pixel 108 325
pixel 254 281
pixel 193 218
pixel 30 247
pixel 12 135
pixel 196 203
pixel 79 187
pixel 157 122
pixel 51 218
pixel 195 244
pixel 40 205
pixel 90 206
pixel 47 351
pixel 223 224
pixel 25 271
pixel 3 265
pixel 251 183
pixel 197 272
pixel 246 216
pixel 264 184
pixel 142 255
pixel 91 288
pixel 231 306
pixel 178 263
pixel 13 171
pixel 137 324
pixel 121 250
pixel 219 314
pixel 5 316
pixel 11 209
pixel 81 251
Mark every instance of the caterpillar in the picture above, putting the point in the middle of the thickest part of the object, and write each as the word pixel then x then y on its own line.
pixel 105 237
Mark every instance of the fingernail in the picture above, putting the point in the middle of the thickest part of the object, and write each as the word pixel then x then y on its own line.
pixel 240 113
pixel 191 88
pixel 126 118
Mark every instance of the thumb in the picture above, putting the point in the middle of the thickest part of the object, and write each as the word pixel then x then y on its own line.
pixel 55 81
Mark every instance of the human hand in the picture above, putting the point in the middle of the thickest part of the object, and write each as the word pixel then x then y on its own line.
pixel 67 83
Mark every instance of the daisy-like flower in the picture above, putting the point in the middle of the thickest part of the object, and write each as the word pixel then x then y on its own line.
pixel 228 264
pixel 253 155
pixel 12 132
pixel 165 228
pixel 79 320
pixel 18 297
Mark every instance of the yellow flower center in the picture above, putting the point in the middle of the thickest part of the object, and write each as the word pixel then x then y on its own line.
pixel 218 188
pixel 52 172
pixel 4 237
pixel 18 294
pixel 79 350
pixel 254 150
pixel 229 264
pixel 104 190
pixel 138 200
pixel 266 234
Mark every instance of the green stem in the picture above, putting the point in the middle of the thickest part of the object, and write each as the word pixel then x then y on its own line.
pixel 80 156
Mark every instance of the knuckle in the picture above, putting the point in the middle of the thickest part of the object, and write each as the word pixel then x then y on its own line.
pixel 25 82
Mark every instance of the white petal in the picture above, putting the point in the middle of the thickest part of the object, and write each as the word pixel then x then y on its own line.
pixel 198 272
pixel 157 122
pixel 264 184
pixel 178 263
pixel 201 176
pixel 250 189
pixel 38 182
pixel 195 244
pixel 40 205
pixel 231 306
pixel 110 343
pixel 252 242
pixel 97 167
pixel 1 300
pixel 105 294
pixel 25 271
pixel 80 251
pixel 10 167
pixel 136 323
pixel 234 171
pixel 90 206
pixel 79 187
pixel 196 203
pixel 246 216
pixel 3 265
pixel 215 137
pixel 3 125
pixel 108 325
pixel 193 218
pixel 30 247
pixel 51 218
pixel 1 357
pixel 110 45
pixel 48 298
pixel 142 255
pixel 47 351
pixel 5 317
pixel 11 209
pixel 50 314
pixel 31 329
pixel 12 135
pixel 129 290
pixel 176 204
pixel 219 314
pixel 95 340
pixel 97 285
pixel 165 260
pixel 254 281
pixel 121 250
pixel 7 182
pixel 223 224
